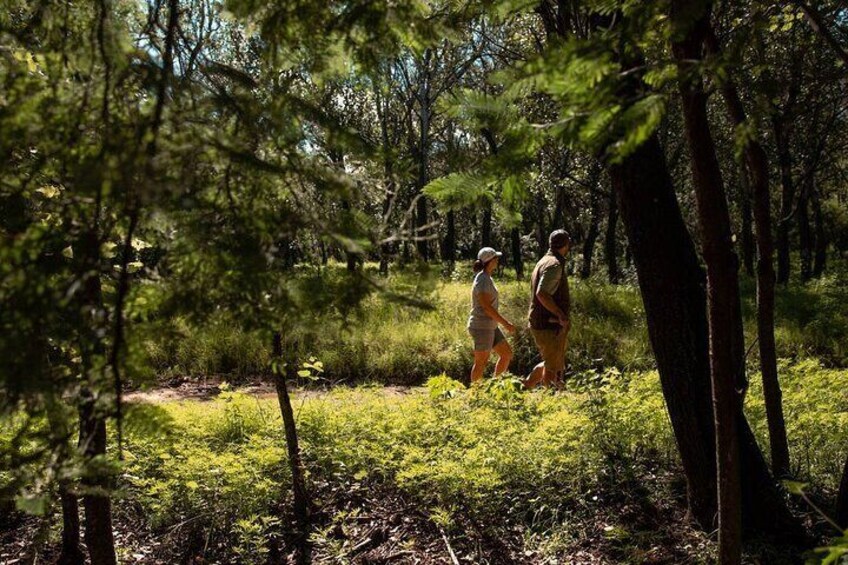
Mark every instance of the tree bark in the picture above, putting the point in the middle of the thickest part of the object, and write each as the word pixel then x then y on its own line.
pixel 515 250
pixel 593 232
pixel 805 237
pixel 756 164
pixel 820 259
pixel 747 221
pixel 611 242
pixel 97 505
pixel 787 197
pixel 449 246
pixel 300 492
pixel 421 212
pixel 725 327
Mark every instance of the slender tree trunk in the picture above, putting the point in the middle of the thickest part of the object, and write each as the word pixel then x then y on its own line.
pixel 820 258
pixel 805 237
pixel 97 505
pixel 611 242
pixel 301 495
pixel 726 358
pixel 787 198
pixel 592 234
pixel 842 499
pixel 388 173
pixel 449 246
pixel 424 101
pixel 756 163
pixel 71 550
pixel 515 250
pixel 747 224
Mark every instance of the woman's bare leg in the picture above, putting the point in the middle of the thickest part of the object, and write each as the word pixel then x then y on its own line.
pixel 481 358
pixel 504 352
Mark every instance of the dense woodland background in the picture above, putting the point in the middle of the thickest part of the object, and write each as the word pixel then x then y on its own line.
pixel 202 195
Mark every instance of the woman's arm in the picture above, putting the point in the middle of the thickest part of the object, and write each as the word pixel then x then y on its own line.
pixel 486 300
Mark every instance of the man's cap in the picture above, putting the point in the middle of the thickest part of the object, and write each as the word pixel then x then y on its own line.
pixel 558 238
pixel 487 254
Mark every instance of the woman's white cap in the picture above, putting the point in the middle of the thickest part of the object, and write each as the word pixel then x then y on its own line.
pixel 487 254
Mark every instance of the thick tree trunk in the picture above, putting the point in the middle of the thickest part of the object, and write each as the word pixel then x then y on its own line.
pixel 756 163
pixel 787 198
pixel 611 243
pixel 725 327
pixel 300 492
pixel 842 499
pixel 486 227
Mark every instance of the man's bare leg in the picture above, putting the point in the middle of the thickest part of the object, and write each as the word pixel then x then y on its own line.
pixel 536 376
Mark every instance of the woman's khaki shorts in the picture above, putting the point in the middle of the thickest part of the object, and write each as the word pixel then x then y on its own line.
pixel 551 344
pixel 486 340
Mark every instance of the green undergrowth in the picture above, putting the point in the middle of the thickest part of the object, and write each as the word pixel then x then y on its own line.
pixel 216 470
pixel 384 342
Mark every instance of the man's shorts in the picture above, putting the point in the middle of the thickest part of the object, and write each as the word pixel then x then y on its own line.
pixel 551 344
pixel 486 340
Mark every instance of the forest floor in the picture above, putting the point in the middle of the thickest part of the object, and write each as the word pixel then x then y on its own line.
pixel 374 522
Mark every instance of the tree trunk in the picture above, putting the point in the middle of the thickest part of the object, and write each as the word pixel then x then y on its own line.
pixel 515 250
pixel 725 327
pixel 842 499
pixel 592 234
pixel 486 228
pixel 756 163
pixel 71 550
pixel 611 243
pixel 820 259
pixel 97 505
pixel 388 173
pixel 787 197
pixel 805 238
pixel 747 227
pixel 301 495
pixel 421 213
pixel 449 246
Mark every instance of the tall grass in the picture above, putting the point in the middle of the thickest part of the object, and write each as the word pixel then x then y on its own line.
pixel 389 343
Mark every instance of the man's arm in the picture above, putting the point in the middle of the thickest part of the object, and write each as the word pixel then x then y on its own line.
pixel 548 302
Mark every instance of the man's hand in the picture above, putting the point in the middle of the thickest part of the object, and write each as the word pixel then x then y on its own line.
pixel 565 323
pixel 509 328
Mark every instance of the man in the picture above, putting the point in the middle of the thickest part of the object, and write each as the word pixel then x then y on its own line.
pixel 550 305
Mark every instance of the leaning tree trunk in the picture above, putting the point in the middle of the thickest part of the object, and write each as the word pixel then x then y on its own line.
pixel 756 163
pixel 725 327
pixel 301 495
pixel 611 243
pixel 842 499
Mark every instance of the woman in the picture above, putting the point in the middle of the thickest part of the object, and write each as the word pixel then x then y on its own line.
pixel 484 319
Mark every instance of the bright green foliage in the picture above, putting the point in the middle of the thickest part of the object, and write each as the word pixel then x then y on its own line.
pixel 491 450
